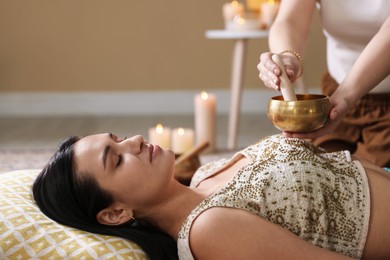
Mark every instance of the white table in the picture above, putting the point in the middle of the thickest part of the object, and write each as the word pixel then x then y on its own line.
pixel 241 39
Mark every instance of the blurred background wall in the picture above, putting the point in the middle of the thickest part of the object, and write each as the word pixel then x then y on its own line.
pixel 125 45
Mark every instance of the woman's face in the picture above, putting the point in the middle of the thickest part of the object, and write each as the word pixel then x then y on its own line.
pixel 136 173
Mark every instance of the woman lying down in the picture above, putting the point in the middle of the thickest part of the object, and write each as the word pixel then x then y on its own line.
pixel 281 198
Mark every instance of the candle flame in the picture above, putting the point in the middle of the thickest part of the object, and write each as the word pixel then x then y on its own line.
pixel 159 128
pixel 234 3
pixel 271 2
pixel 204 95
pixel 180 131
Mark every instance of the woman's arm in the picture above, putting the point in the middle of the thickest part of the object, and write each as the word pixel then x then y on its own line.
pixel 224 233
pixel 291 26
pixel 288 32
pixel 372 66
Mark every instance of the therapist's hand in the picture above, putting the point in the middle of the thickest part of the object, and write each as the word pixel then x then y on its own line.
pixel 269 72
pixel 339 108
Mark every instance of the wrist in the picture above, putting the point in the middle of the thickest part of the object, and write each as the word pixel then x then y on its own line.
pixel 349 96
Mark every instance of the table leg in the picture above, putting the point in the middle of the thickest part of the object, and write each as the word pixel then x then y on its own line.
pixel 238 64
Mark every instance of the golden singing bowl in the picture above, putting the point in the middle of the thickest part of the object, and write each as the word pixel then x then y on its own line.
pixel 308 113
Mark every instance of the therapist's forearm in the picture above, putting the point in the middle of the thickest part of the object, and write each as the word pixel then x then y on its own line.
pixel 283 37
pixel 291 27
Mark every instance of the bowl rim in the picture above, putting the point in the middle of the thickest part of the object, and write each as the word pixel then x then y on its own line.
pixel 320 97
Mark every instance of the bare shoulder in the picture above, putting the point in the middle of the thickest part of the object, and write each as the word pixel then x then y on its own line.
pixel 369 167
pixel 226 233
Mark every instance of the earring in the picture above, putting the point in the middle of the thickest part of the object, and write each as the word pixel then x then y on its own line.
pixel 133 222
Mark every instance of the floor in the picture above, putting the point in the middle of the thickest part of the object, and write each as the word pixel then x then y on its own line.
pixel 47 132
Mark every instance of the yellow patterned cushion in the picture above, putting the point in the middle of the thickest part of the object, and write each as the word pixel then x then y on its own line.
pixel 25 232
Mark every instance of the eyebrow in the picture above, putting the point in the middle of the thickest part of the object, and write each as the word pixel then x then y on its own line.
pixel 106 152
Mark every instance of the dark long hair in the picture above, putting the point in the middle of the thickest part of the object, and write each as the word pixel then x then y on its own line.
pixel 73 201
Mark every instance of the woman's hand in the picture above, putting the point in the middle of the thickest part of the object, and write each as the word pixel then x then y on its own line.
pixel 339 108
pixel 269 72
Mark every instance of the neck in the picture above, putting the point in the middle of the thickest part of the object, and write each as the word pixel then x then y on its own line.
pixel 170 215
pixel 175 208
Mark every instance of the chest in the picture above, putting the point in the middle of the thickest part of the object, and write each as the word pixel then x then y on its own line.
pixel 353 20
pixel 220 178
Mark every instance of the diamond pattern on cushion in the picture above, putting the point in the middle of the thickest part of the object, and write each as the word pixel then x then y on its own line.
pixel 27 233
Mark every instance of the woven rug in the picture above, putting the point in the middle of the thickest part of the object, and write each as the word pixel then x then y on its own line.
pixel 21 159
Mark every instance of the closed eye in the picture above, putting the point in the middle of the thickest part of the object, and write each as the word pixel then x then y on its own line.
pixel 120 159
pixel 117 139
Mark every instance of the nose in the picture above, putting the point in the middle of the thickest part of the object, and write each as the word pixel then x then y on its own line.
pixel 133 143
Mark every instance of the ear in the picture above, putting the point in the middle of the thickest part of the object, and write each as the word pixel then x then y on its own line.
pixel 114 216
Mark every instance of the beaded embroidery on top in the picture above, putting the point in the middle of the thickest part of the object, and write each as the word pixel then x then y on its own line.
pixel 321 197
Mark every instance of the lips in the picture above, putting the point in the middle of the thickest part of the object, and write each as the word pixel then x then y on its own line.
pixel 153 151
pixel 151 148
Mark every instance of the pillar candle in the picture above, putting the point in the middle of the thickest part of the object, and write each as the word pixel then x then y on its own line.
pixel 254 5
pixel 230 10
pixel 182 140
pixel 161 136
pixel 241 23
pixel 269 10
pixel 205 120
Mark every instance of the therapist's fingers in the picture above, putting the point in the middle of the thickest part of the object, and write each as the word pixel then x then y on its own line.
pixel 308 135
pixel 268 71
pixel 290 73
pixel 270 79
pixel 269 64
pixel 328 127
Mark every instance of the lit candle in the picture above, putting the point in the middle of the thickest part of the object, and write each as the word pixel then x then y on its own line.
pixel 230 10
pixel 254 5
pixel 241 23
pixel 269 10
pixel 160 136
pixel 182 140
pixel 205 113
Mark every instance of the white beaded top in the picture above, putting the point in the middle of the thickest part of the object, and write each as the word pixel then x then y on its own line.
pixel 321 197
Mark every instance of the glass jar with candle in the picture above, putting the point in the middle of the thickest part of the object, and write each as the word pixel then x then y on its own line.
pixel 245 22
